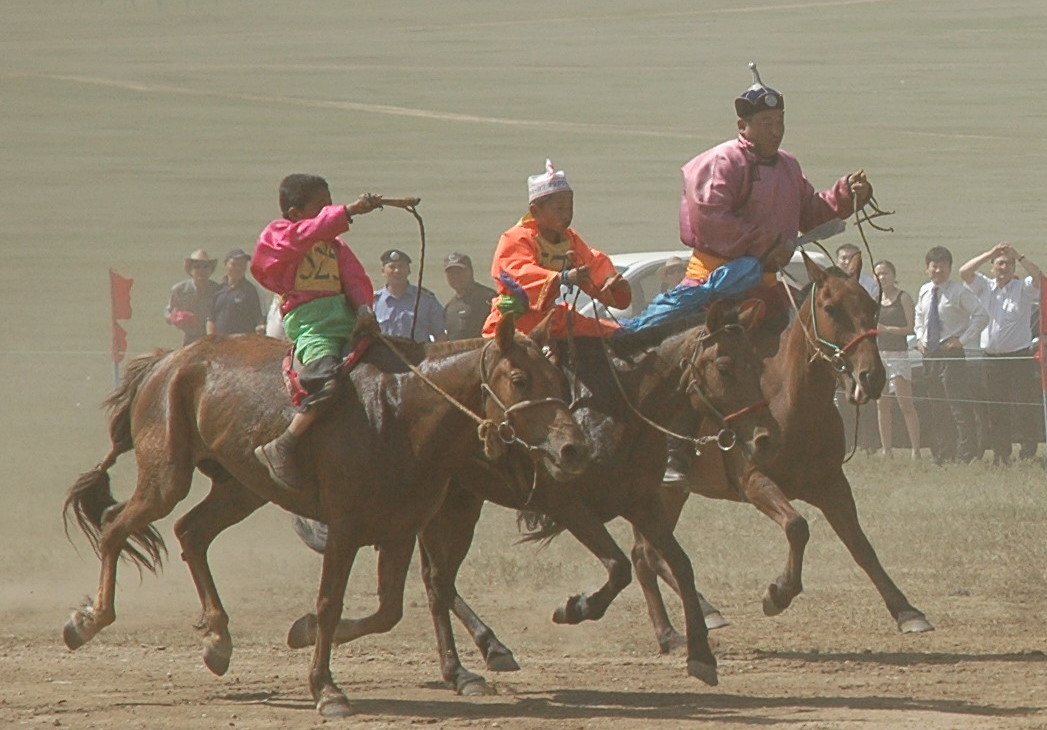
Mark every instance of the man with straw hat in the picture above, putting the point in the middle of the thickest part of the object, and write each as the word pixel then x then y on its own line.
pixel 192 300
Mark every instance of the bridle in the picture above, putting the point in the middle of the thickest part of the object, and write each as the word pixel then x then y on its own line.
pixel 505 430
pixel 486 428
pixel 828 350
pixel 726 438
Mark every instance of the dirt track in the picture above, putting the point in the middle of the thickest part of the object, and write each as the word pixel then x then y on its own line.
pixel 833 660
pixel 906 682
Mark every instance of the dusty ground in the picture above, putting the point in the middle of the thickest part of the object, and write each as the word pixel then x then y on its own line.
pixel 834 660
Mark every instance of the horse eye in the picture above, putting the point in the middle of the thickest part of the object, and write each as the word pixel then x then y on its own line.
pixel 518 378
pixel 724 365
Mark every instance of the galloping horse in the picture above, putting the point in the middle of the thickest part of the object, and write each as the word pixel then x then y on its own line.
pixel 832 337
pixel 381 462
pixel 712 370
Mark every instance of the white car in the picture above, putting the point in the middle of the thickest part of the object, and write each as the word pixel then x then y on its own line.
pixel 641 271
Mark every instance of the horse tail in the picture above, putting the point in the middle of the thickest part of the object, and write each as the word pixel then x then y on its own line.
pixel 537 527
pixel 90 499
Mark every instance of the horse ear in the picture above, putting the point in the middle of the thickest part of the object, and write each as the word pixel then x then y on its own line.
pixel 814 271
pixel 540 334
pixel 751 313
pixel 506 331
pixel 717 314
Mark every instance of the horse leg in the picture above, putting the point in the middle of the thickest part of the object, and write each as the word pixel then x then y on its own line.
pixel 226 504
pixel 650 567
pixel 839 509
pixel 160 487
pixel 768 497
pixel 334 576
pixel 649 521
pixel 445 541
pixel 589 530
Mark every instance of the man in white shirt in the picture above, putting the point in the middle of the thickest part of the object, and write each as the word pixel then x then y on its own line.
pixel 949 317
pixel 1010 376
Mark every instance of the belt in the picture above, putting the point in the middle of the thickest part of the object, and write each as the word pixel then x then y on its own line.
pixel 703 263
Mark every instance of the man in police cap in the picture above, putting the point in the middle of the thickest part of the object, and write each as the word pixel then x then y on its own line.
pixel 467 310
pixel 394 303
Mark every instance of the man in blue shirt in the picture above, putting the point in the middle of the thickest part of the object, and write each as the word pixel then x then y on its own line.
pixel 394 303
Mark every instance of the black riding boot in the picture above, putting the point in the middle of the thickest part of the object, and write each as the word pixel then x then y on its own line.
pixel 678 465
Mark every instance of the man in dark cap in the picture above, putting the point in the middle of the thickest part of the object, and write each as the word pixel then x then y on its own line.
pixel 746 197
pixel 394 303
pixel 468 309
pixel 237 307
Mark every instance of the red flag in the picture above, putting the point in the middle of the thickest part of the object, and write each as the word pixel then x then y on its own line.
pixel 120 298
pixel 1041 354
pixel 120 293
pixel 119 342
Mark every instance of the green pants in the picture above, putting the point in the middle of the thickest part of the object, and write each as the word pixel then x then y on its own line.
pixel 320 327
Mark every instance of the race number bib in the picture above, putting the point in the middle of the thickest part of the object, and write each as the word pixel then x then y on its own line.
pixel 318 270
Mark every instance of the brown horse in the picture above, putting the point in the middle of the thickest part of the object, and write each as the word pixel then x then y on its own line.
pixel 833 337
pixel 381 462
pixel 712 370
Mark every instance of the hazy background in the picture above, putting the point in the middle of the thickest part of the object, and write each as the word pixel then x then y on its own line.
pixel 134 132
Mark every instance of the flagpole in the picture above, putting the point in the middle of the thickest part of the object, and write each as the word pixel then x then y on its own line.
pixel 1041 355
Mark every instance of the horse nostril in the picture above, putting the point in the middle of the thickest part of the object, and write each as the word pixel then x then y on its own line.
pixel 573 455
pixel 872 382
pixel 762 442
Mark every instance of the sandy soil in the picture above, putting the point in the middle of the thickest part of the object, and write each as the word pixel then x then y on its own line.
pixel 834 660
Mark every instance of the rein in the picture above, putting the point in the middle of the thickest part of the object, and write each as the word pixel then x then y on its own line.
pixel 485 426
pixel 726 438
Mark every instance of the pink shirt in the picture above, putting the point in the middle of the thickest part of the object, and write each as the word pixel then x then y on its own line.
pixel 305 260
pixel 735 205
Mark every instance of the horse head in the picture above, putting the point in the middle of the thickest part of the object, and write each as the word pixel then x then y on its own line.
pixel 723 382
pixel 841 322
pixel 525 398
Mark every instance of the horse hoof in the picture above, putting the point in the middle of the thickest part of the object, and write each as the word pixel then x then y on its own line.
pixel 303 632
pixel 573 611
pixel 671 641
pixel 502 662
pixel 703 671
pixel 913 622
pixel 771 606
pixel 71 635
pixel 335 705
pixel 715 620
pixel 217 654
pixel 472 685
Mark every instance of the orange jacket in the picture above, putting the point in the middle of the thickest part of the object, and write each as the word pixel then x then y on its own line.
pixel 517 256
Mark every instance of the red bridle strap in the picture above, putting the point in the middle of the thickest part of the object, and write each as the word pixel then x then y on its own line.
pixel 857 339
pixel 748 409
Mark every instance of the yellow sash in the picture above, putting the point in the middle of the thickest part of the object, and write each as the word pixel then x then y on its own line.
pixel 702 264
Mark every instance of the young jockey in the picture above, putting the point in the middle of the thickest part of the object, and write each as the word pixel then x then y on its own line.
pixel 323 287
pixel 541 254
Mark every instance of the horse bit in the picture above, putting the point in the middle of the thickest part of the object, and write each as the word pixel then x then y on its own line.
pixel 727 437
